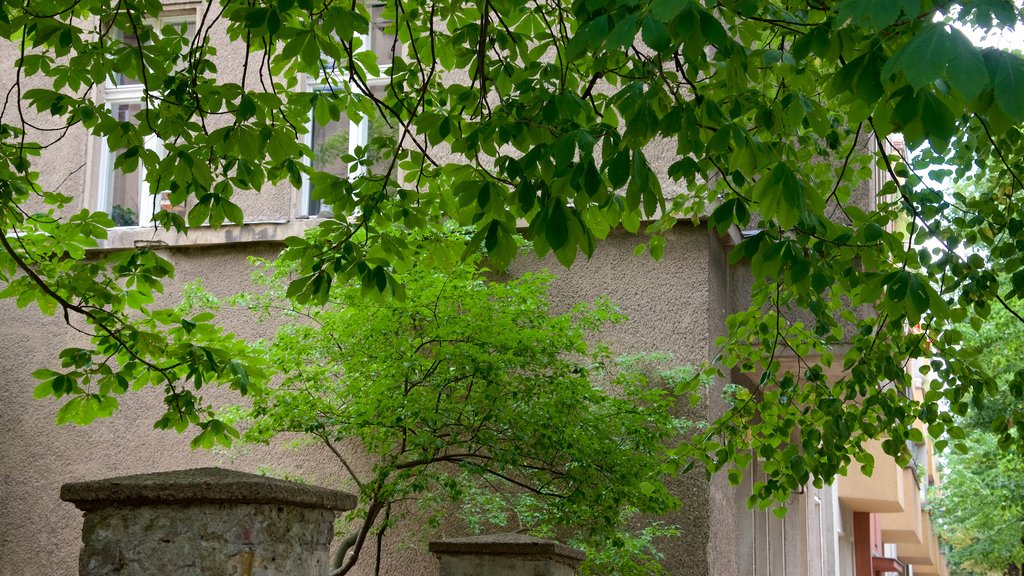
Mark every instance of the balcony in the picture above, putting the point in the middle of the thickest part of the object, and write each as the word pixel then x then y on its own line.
pixel 904 527
pixel 883 491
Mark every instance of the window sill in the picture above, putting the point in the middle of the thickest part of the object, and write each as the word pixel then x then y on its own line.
pixel 131 237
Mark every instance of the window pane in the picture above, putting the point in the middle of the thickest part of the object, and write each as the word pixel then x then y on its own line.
pixel 124 188
pixel 330 143
pixel 177 22
pixel 129 38
pixel 382 41
pixel 121 78
pixel 165 205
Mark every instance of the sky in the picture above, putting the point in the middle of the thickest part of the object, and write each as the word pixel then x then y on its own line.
pixel 1007 38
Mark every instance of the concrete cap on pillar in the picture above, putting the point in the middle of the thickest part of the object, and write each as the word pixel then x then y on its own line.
pixel 201 485
pixel 509 544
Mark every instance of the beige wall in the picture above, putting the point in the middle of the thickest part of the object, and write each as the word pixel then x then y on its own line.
pixel 675 305
pixel 39 534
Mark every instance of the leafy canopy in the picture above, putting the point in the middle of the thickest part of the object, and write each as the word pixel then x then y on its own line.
pixel 978 506
pixel 472 392
pixel 774 115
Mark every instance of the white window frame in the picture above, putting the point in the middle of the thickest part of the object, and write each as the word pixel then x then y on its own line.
pixel 127 95
pixel 358 131
pixel 358 135
pixel 119 94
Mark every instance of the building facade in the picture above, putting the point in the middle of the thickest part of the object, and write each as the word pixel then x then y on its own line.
pixel 857 527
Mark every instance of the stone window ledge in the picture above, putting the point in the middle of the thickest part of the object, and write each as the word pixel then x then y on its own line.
pixel 263 231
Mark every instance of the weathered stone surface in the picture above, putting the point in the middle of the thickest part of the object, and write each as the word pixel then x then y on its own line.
pixel 207 540
pixel 209 485
pixel 205 522
pixel 508 554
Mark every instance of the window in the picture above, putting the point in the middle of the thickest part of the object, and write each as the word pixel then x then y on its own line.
pixel 331 141
pixel 125 196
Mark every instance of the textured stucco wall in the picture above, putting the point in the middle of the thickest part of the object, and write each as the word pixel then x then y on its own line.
pixel 674 305
pixel 668 303
pixel 723 543
pixel 63 167
pixel 39 534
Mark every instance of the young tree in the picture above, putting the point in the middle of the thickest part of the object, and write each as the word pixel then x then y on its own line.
pixel 979 510
pixel 978 507
pixel 472 393
pixel 546 112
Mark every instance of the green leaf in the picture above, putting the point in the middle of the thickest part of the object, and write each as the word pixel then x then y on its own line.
pixel 631 221
pixel 937 120
pixel 918 295
pixel 204 440
pixel 566 255
pixel 1007 73
pixel 233 212
pixel 43 390
pixel 557 231
pixel 667 10
pixel 618 169
pixel 874 14
pixel 862 76
pixel 873 232
pixel 45 374
pixel 781 196
pixel 657 247
pixel 656 35
pixel 621 37
pixel 273 21
pixel 967 72
pixel 897 285
pixel 924 58
pixel 199 213
pixel 643 186
pixel 83 410
pixel 246 107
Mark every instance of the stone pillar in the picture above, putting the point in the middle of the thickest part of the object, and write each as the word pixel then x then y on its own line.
pixel 505 555
pixel 205 522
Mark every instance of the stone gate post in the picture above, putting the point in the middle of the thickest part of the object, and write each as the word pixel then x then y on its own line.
pixel 204 522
